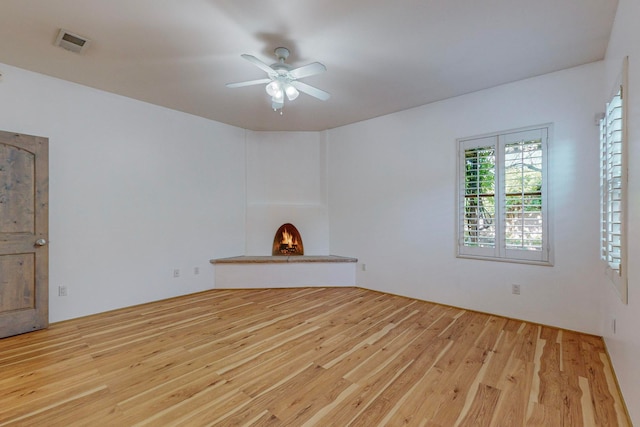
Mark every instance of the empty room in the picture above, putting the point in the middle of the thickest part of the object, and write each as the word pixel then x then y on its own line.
pixel 319 213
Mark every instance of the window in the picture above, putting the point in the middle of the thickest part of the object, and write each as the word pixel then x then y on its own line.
pixel 502 182
pixel 613 184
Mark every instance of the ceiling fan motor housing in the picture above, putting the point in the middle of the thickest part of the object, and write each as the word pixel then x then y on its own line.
pixel 282 53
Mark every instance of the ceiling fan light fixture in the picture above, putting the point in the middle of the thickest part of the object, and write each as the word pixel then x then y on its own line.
pixel 292 92
pixel 273 88
pixel 278 96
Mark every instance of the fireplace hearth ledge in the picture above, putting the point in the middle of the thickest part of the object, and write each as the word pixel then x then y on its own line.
pixel 280 259
pixel 282 271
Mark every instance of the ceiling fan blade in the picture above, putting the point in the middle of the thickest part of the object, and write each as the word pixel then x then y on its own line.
pixel 307 70
pixel 310 90
pixel 248 83
pixel 255 61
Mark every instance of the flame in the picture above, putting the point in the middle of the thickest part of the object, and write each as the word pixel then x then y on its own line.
pixel 288 239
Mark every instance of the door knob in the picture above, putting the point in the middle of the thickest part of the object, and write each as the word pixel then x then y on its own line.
pixel 41 242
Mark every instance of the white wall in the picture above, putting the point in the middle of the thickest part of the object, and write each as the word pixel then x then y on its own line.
pixel 286 182
pixel 136 190
pixel 624 345
pixel 392 189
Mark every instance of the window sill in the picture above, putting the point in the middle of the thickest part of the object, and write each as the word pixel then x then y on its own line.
pixel 509 260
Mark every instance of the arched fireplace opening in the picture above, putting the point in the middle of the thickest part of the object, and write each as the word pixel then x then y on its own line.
pixel 287 241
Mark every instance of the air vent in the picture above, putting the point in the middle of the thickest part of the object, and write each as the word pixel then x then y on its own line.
pixel 73 42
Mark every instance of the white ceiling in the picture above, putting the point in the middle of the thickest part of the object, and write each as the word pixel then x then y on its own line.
pixel 382 56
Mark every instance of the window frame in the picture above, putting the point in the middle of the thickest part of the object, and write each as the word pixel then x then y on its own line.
pixel 500 251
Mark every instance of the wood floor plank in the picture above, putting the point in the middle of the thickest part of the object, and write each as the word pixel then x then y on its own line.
pixel 305 357
pixel 419 404
pixel 421 362
pixel 309 399
pixel 619 406
pixel 550 393
pixel 572 368
pixel 511 409
pixel 505 344
pixel 482 409
pixel 604 404
pixel 458 386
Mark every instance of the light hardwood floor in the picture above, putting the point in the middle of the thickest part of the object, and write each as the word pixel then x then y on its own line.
pixel 305 357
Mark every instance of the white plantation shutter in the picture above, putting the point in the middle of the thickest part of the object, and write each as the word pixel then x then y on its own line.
pixel 502 196
pixel 613 183
pixel 478 196
pixel 524 201
pixel 611 173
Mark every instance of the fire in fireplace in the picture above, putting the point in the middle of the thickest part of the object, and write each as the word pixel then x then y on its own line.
pixel 287 241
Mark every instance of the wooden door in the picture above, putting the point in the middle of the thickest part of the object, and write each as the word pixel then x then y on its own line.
pixel 24 226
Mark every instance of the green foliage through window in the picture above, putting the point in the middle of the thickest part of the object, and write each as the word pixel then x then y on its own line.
pixel 479 201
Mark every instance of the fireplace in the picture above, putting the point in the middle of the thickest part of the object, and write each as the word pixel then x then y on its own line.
pixel 287 241
pixel 286 267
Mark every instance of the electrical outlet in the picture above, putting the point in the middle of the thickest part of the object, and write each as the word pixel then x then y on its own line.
pixel 196 270
pixel 364 267
pixel 62 291
pixel 176 272
pixel 515 289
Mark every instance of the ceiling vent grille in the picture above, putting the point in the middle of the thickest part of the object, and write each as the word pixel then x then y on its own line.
pixel 73 42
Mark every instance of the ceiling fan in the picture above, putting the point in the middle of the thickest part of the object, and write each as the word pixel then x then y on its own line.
pixel 284 80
